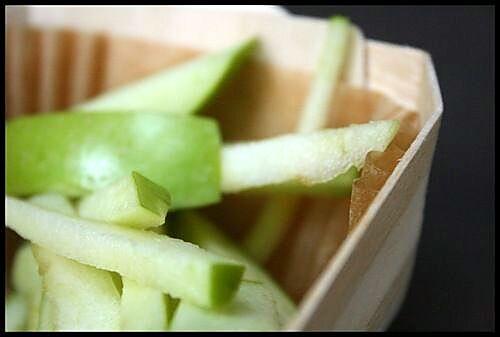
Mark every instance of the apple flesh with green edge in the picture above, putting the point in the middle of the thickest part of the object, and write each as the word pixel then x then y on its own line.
pixel 27 283
pixel 85 152
pixel 144 308
pixel 192 227
pixel 133 201
pixel 16 312
pixel 306 158
pixel 253 309
pixel 83 297
pixel 183 89
pixel 173 266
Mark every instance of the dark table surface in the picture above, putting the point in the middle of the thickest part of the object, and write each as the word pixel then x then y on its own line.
pixel 453 282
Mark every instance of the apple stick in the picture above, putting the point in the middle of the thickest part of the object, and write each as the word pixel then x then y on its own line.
pixel 133 201
pixel 86 152
pixel 253 309
pixel 342 40
pixel 328 72
pixel 183 89
pixel 83 297
pixel 144 308
pixel 306 158
pixel 192 227
pixel 175 267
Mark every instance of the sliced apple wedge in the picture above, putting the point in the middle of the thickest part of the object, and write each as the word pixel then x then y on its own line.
pixel 53 202
pixel 178 268
pixel 133 201
pixel 144 308
pixel 184 89
pixel 85 152
pixel 83 298
pixel 192 227
pixel 308 159
pixel 253 309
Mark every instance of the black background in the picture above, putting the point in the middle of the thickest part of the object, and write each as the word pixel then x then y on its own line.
pixel 453 282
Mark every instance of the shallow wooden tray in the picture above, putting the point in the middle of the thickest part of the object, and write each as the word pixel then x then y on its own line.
pixel 58 56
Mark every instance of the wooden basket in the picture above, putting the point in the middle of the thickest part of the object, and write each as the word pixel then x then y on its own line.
pixel 58 56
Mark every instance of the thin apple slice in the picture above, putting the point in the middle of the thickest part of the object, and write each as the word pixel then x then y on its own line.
pixel 184 89
pixel 133 201
pixel 85 152
pixel 16 312
pixel 308 158
pixel 192 227
pixel 329 69
pixel 270 227
pixel 83 297
pixel 253 309
pixel 53 202
pixel 27 283
pixel 175 267
pixel 144 308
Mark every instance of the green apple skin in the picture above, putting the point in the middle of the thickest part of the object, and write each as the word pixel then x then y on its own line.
pixel 253 309
pixel 132 201
pixel 192 227
pixel 75 154
pixel 183 89
pixel 173 266
pixel 82 297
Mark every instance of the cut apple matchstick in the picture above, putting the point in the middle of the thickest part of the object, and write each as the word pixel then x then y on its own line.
pixel 307 158
pixel 144 308
pixel 192 227
pixel 183 89
pixel 178 268
pixel 83 297
pixel 273 221
pixel 133 201
pixel 253 309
